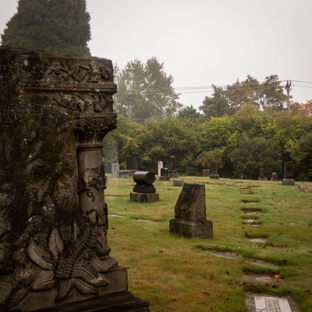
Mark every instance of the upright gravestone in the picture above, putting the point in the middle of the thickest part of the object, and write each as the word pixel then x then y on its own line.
pixel 115 170
pixel 288 173
pixel 54 112
pixel 173 173
pixel 214 170
pixel 164 174
pixel 160 165
pixel 190 213
pixel 262 175
pixel 132 164
pixel 206 172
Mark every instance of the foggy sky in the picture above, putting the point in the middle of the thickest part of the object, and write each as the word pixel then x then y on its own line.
pixel 205 42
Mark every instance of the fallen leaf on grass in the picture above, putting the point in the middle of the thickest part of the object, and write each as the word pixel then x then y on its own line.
pixel 207 293
pixel 161 251
pixel 173 300
pixel 211 277
pixel 276 276
pixel 240 283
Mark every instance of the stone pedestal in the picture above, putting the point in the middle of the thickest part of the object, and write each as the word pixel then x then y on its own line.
pixel 144 197
pixel 288 182
pixel 178 183
pixel 191 229
pixel 122 301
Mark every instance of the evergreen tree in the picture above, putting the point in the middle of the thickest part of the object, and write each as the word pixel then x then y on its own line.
pixel 51 25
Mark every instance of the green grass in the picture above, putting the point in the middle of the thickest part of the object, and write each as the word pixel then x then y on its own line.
pixel 179 274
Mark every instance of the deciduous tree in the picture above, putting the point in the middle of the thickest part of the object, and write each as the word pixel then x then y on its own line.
pixel 145 91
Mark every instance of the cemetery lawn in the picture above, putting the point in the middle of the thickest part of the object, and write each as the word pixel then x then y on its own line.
pixel 179 274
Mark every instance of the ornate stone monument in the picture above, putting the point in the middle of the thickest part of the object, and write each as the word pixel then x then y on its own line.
pixel 214 170
pixel 190 213
pixel 144 190
pixel 54 112
pixel 288 173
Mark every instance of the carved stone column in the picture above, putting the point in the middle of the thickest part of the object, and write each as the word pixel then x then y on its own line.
pixel 54 113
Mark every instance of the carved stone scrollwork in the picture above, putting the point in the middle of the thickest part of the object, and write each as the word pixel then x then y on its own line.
pixel 93 130
pixel 95 103
pixel 80 73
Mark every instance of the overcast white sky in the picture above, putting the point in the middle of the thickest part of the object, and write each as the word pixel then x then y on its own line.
pixel 204 42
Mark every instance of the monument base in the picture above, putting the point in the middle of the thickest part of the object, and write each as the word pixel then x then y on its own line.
pixel 161 178
pixel 123 301
pixel 45 300
pixel 178 183
pixel 191 229
pixel 173 174
pixel 214 176
pixel 288 182
pixel 144 197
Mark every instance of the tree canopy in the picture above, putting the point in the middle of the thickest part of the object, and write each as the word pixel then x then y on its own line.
pixel 228 100
pixel 51 25
pixel 145 91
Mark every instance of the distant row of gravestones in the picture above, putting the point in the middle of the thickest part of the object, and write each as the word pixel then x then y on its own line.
pixel 164 174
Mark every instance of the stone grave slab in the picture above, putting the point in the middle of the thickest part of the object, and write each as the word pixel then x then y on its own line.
pixel 267 303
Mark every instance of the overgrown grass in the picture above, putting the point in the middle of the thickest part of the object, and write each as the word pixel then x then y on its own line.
pixel 179 274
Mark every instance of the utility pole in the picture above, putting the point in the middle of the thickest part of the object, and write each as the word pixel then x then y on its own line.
pixel 287 87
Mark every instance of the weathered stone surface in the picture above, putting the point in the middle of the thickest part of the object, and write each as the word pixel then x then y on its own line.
pixel 164 174
pixel 131 163
pixel 206 172
pixel 178 183
pixel 190 229
pixel 173 173
pixel 288 182
pixel 144 197
pixel 289 170
pixel 54 113
pixel 190 213
pixel 274 176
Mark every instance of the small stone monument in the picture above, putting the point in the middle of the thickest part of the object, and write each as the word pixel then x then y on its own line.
pixel 164 175
pixel 160 165
pixel 206 172
pixel 173 173
pixel 55 111
pixel 288 173
pixel 131 164
pixel 214 170
pixel 190 213
pixel 262 176
pixel 274 176
pixel 144 191
pixel 115 170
